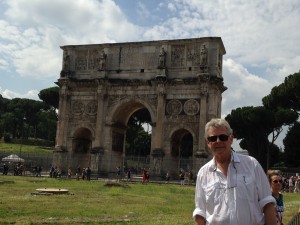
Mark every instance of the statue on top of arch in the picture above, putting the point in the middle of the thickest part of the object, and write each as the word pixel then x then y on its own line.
pixel 203 56
pixel 66 66
pixel 102 60
pixel 162 58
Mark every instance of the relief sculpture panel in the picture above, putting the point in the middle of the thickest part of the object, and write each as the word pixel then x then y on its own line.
pixel 174 107
pixel 77 107
pixel 188 107
pixel 191 107
pixel 193 54
pixel 178 55
pixel 81 61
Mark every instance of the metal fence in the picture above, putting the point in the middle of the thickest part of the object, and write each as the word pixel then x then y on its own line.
pixel 295 220
pixel 135 163
pixel 31 161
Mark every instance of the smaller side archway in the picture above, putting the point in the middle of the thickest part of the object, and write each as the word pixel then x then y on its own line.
pixel 182 149
pixel 81 148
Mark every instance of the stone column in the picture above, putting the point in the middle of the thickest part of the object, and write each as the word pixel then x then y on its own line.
pixel 99 122
pixel 201 154
pixel 159 117
pixel 202 122
pixel 62 116
pixel 201 151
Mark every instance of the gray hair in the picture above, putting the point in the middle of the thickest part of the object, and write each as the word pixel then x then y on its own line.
pixel 217 122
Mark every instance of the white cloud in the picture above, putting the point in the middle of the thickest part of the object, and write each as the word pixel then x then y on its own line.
pixel 31 94
pixel 143 11
pixel 37 62
pixel 4 65
pixel 261 37
pixel 244 88
pixel 39 30
pixel 171 6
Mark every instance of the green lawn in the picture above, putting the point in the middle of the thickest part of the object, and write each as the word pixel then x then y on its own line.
pixel 25 149
pixel 96 203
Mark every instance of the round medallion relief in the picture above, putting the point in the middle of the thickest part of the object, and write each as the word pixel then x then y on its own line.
pixel 91 108
pixel 174 107
pixel 77 107
pixel 191 107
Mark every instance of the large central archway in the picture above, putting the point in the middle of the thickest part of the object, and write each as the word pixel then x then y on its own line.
pixel 123 112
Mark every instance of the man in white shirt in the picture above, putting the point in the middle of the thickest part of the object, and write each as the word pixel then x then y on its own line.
pixel 231 189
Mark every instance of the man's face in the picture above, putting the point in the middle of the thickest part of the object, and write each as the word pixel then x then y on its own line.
pixel 220 145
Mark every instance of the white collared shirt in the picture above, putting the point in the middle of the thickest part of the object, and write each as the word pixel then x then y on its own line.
pixel 236 199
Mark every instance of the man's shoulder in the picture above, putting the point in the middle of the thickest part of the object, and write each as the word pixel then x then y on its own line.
pixel 244 158
pixel 207 166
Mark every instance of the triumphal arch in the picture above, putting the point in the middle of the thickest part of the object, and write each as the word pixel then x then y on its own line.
pixel 179 82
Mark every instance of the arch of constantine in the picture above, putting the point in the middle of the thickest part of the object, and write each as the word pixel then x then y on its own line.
pixel 179 82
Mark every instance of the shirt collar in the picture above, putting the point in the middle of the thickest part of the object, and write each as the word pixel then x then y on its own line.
pixel 234 158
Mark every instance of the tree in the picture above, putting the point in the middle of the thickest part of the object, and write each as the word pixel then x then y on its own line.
pixel 3 104
pixel 8 123
pixel 3 110
pixel 285 95
pixel 253 125
pixel 23 118
pixel 25 112
pixel 138 141
pixel 46 126
pixel 50 96
pixel 291 143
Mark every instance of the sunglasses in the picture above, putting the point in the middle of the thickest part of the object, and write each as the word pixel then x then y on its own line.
pixel 277 181
pixel 222 137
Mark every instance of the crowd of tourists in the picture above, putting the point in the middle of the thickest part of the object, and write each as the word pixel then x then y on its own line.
pixel 291 183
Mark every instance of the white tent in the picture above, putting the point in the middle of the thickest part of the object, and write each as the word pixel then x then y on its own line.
pixel 12 158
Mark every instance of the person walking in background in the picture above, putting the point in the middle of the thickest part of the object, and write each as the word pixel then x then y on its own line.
pixel 129 174
pixel 88 173
pixel 276 180
pixel 231 188
pixel 118 173
pixel 5 169
pixel 297 188
pixel 167 178
pixel 39 171
pixel 147 175
pixel 78 173
pixel 144 175
pixel 83 175
pixel 69 173
pixel 291 184
pixel 181 176
pixel 51 172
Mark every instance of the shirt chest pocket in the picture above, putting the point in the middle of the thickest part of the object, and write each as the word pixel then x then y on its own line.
pixel 245 187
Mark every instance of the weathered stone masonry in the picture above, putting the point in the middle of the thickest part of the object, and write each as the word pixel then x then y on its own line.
pixel 179 82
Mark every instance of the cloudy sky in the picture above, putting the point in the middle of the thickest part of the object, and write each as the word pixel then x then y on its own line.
pixel 261 38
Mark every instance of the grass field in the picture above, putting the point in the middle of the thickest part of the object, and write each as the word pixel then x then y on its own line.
pixel 10 148
pixel 95 202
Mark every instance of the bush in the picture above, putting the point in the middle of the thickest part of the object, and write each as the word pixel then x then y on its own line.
pixel 34 142
pixel 7 138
